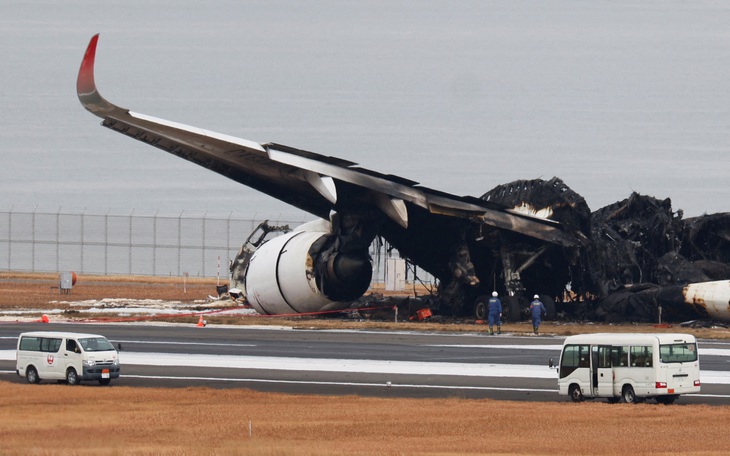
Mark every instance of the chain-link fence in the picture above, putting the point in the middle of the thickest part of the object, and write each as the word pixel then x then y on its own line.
pixel 153 244
pixel 127 244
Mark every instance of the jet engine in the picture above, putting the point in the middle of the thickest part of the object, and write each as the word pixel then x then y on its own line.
pixel 305 271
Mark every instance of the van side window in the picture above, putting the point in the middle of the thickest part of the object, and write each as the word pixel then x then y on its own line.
pixel 30 343
pixel 72 346
pixel 50 345
pixel 641 356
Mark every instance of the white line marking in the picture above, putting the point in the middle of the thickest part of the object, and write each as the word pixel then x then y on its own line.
pixel 310 382
pixel 201 344
pixel 557 348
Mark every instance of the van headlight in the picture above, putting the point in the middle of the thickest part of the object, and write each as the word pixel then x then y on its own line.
pixel 116 361
pixel 89 363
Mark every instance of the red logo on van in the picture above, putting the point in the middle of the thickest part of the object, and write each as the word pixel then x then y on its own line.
pixel 50 359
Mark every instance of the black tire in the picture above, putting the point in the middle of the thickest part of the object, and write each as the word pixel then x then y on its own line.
pixel 104 381
pixel 511 309
pixel 71 377
pixel 628 395
pixel 576 395
pixel 31 374
pixel 667 400
pixel 481 308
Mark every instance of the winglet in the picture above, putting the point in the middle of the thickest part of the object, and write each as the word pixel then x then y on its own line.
pixel 86 86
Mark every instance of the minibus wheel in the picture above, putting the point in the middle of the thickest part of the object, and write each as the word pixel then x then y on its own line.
pixel 629 395
pixel 31 375
pixel 71 377
pixel 576 395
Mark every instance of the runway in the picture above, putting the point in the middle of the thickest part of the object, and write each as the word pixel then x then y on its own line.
pixel 367 363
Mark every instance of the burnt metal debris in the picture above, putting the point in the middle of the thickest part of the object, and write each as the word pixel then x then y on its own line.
pixel 636 257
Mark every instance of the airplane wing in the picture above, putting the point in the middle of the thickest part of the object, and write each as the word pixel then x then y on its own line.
pixel 312 182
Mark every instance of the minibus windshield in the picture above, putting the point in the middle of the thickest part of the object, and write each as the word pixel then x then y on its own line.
pixel 678 353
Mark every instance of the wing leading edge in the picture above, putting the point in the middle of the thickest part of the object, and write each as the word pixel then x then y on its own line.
pixel 309 181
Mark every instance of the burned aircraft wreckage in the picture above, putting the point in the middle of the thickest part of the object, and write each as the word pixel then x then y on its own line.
pixel 625 261
pixel 635 260
pixel 632 260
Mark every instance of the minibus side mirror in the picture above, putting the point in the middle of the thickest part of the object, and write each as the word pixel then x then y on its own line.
pixel 119 346
pixel 550 363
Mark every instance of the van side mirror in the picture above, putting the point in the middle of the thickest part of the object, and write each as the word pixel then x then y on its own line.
pixel 550 363
pixel 119 346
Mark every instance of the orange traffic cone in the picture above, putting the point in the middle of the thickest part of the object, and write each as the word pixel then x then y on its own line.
pixel 201 322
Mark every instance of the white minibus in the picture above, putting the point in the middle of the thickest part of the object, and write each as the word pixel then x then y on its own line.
pixel 73 357
pixel 632 367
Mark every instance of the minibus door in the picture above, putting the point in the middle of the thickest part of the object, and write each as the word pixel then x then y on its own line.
pixel 604 372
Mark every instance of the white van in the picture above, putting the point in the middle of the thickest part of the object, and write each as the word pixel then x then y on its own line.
pixel 72 357
pixel 632 367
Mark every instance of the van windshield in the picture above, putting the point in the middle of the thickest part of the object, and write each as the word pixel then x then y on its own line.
pixel 678 353
pixel 94 344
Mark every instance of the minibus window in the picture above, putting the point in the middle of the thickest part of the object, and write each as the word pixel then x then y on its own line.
pixel 620 356
pixel 678 353
pixel 641 356
pixel 574 356
pixel 604 357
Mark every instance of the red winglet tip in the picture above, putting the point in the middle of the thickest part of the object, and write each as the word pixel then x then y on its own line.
pixel 85 83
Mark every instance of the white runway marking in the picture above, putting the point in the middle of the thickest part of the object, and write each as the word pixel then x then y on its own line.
pixel 338 365
pixel 353 365
pixel 310 382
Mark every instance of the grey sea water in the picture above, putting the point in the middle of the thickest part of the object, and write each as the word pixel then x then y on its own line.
pixel 612 97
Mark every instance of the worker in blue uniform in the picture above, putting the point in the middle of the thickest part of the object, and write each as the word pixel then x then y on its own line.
pixel 495 314
pixel 537 308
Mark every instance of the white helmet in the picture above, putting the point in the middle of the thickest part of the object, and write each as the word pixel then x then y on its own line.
pixel 494 293
pixel 536 297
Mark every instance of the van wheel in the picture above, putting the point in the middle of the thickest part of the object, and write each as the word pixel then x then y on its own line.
pixel 32 375
pixel 104 381
pixel 575 393
pixel 71 377
pixel 628 395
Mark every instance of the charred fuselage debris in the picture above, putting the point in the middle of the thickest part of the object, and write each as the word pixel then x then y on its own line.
pixel 635 257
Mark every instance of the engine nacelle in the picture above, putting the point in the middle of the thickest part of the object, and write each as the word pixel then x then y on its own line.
pixel 301 272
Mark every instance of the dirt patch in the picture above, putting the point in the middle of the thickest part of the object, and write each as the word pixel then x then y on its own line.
pixel 36 294
pixel 59 419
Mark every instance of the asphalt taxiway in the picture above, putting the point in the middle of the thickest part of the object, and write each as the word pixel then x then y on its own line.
pixel 334 362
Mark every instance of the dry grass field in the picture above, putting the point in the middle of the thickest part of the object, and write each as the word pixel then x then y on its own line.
pixel 58 419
